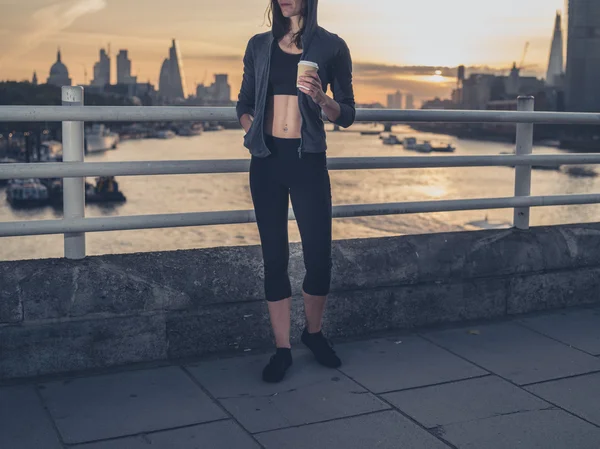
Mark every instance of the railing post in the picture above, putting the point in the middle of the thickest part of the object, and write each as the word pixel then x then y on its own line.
pixel 73 188
pixel 523 172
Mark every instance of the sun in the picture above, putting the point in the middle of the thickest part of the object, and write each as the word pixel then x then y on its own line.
pixel 437 77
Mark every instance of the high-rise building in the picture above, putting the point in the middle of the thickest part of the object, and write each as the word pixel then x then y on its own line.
pixel 34 80
pixel 124 69
pixel 222 88
pixel 59 74
pixel 217 94
pixel 583 56
pixel 555 63
pixel 172 79
pixel 102 70
pixel 410 101
pixel 394 101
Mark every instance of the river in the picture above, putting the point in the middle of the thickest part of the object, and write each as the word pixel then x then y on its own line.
pixel 193 193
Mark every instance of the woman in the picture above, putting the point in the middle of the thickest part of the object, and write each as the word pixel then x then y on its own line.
pixel 285 134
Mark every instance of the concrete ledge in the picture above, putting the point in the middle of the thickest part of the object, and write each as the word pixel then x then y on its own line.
pixel 59 315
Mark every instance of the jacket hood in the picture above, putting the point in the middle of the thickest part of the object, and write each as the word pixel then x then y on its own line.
pixel 311 19
pixel 311 25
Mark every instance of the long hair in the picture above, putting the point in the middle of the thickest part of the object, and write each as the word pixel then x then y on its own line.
pixel 281 25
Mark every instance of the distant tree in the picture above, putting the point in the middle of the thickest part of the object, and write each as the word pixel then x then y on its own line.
pixel 26 94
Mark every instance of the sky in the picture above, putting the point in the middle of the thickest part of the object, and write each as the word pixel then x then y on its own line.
pixel 395 45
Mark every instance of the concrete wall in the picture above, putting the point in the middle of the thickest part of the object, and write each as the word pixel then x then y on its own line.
pixel 60 315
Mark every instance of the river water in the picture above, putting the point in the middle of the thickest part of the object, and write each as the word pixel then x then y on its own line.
pixel 194 193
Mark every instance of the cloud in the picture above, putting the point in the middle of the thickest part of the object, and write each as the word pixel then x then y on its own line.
pixel 374 80
pixel 48 21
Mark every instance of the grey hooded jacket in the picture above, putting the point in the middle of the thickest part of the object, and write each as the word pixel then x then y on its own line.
pixel 332 55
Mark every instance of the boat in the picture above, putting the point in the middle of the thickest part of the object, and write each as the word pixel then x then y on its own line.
pixel 370 133
pixel 6 160
pixel 106 190
pixel 442 148
pixel 550 167
pixel 190 130
pixel 164 134
pixel 50 151
pixel 410 143
pixel 213 127
pixel 424 147
pixel 391 140
pixel 99 138
pixel 27 193
pixel 587 144
pixel 581 172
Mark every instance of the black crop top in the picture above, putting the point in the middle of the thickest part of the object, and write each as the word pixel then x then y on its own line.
pixel 283 73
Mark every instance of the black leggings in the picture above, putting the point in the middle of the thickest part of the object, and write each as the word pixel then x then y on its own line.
pixel 273 180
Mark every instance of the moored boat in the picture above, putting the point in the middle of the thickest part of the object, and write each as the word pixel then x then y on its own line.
pixel 27 193
pixel 164 134
pixel 391 140
pixel 581 172
pixel 442 147
pixel 99 138
pixel 106 190
pixel 410 143
pixel 6 160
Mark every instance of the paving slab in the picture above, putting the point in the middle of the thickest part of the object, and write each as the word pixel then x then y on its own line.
pixel 465 400
pixel 390 364
pixel 24 423
pixel 310 393
pixel 385 430
pixel 541 429
pixel 515 353
pixel 110 406
pixel 579 328
pixel 216 435
pixel 578 395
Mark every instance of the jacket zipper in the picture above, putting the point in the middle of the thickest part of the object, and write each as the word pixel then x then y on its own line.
pixel 264 99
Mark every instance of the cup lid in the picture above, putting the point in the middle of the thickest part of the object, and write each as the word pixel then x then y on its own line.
pixel 309 63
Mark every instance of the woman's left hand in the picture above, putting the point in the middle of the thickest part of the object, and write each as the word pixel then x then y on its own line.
pixel 311 85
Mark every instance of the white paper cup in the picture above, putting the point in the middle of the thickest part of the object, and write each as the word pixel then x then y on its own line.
pixel 306 66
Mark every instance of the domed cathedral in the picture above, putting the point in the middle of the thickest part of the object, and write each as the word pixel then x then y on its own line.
pixel 59 74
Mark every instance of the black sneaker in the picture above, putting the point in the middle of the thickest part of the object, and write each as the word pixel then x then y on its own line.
pixel 280 362
pixel 321 349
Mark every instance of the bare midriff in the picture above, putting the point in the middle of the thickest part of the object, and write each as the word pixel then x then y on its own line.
pixel 282 117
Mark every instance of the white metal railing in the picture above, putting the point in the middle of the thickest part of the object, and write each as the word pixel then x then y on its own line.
pixel 73 169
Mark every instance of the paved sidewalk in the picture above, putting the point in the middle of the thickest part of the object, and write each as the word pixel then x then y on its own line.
pixel 529 383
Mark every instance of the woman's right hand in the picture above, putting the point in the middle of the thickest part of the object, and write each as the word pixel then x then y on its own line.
pixel 246 122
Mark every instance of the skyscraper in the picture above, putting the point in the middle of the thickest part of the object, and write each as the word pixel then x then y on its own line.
pixel 217 94
pixel 410 101
pixel 555 63
pixel 394 101
pixel 583 56
pixel 124 69
pixel 102 70
pixel 222 88
pixel 172 79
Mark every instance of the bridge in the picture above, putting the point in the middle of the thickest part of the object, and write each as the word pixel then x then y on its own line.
pixel 485 339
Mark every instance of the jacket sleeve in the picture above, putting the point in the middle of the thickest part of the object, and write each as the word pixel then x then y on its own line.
pixel 247 97
pixel 341 86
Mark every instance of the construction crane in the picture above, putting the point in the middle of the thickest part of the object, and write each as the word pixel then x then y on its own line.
pixel 521 64
pixel 524 55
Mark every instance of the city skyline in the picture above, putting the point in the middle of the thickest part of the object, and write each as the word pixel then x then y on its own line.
pixel 382 44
